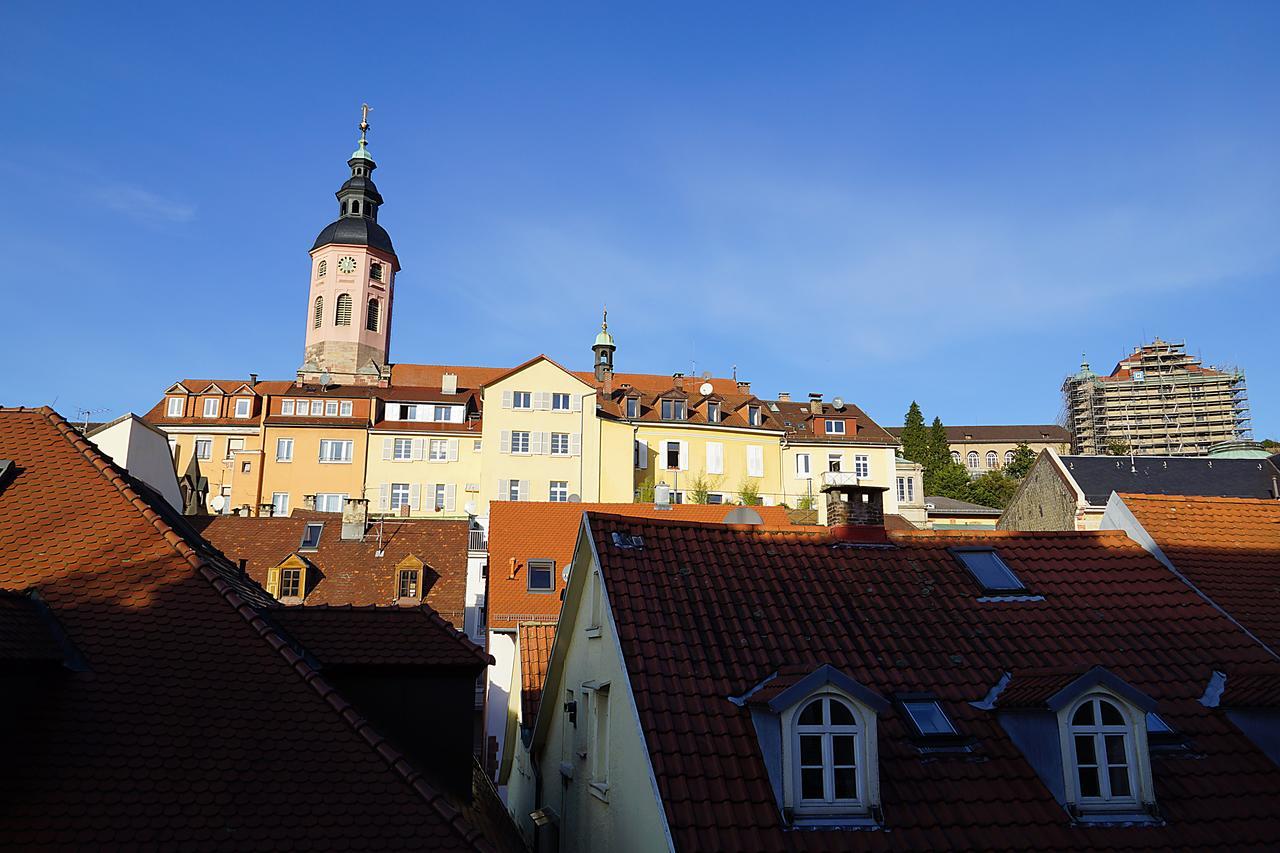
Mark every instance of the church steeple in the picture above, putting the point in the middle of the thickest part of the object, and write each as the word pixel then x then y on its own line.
pixel 603 348
pixel 358 201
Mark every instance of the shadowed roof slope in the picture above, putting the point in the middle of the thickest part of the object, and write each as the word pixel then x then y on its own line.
pixel 1228 548
pixel 195 726
pixel 380 636
pixel 745 604
pixel 1099 476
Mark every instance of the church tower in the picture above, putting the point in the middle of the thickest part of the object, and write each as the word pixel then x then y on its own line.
pixel 603 350
pixel 353 272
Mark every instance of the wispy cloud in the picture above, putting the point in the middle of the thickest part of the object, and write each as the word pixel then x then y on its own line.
pixel 141 204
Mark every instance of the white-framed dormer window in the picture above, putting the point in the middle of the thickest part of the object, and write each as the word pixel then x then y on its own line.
pixel 286 407
pixel 753 415
pixel 175 407
pixel 344 408
pixel 317 408
pixel 442 414
pixel 331 408
pixel 1107 767
pixel 244 407
pixel 830 757
pixel 633 407
pixel 835 427
pixel 713 412
pixel 211 407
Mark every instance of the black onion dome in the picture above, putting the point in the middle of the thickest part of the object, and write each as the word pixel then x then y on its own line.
pixel 355 231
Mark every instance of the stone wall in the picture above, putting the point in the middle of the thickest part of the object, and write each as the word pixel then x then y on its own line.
pixel 1043 501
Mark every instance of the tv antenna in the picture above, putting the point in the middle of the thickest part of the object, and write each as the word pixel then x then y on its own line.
pixel 83 414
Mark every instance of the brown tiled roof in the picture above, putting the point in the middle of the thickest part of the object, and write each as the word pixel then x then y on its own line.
pixel 319 421
pixel 474 377
pixel 1228 548
pixel 1002 432
pixel 535 641
pixel 1254 687
pixel 520 531
pixel 801 426
pixel 196 725
pixel 350 571
pixel 380 636
pixel 706 612
pixel 733 408
pixel 25 634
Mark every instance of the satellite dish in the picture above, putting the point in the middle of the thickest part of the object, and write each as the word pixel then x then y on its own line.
pixel 705 388
pixel 575 499
pixel 470 508
pixel 743 515
pixel 837 403
pixel 218 503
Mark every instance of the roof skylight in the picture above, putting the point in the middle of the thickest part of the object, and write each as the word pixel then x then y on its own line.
pixel 311 536
pixel 928 717
pixel 988 569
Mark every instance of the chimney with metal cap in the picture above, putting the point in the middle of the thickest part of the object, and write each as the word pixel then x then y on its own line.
pixel 855 513
pixel 355 518
pixel 784 396
pixel 815 404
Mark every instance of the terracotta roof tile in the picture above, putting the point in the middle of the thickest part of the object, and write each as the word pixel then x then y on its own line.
pixel 25 634
pixel 379 636
pixel 746 603
pixel 535 641
pixel 196 726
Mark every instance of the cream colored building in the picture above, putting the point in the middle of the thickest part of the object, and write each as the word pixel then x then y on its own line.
pixel 991 447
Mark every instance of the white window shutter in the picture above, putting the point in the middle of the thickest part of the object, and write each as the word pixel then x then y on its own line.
pixel 450 497
pixel 453 450
pixel 419 449
pixel 415 497
pixel 755 461
pixel 524 490
pixel 642 453
pixel 535 443
pixel 542 401
pixel 575 402
pixel 384 497
pixel 575 444
pixel 388 445
pixel 504 490
pixel 684 456
pixel 504 443
pixel 715 457
pixel 507 401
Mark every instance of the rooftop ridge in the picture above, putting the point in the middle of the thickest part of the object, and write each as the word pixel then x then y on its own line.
pixel 394 759
pixel 1142 496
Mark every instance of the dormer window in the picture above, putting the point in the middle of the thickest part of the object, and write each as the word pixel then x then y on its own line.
pixel 211 407
pixel 826 754
pixel 633 407
pixel 1102 759
pixel 753 415
pixel 835 427
pixel 713 412
pixel 407 583
pixel 175 407
pixel 673 410
pixel 290 583
pixel 244 407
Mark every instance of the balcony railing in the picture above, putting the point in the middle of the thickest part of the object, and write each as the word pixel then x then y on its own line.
pixel 476 541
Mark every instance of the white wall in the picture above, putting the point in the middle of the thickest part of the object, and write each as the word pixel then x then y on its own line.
pixel 144 453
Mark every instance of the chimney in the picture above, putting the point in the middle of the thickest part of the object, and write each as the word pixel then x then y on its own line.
pixel 266 510
pixel 744 387
pixel 404 510
pixel 855 513
pixel 253 379
pixel 449 383
pixel 815 404
pixel 309 502
pixel 678 380
pixel 607 378
pixel 662 497
pixel 784 396
pixel 355 517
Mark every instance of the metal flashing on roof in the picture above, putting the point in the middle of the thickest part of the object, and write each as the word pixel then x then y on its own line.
pixel 1100 677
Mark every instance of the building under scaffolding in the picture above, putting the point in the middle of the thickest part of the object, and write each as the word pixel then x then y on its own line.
pixel 1158 401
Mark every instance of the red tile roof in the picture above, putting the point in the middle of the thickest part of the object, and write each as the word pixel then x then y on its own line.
pixel 798 421
pixel 1255 687
pixel 25 633
pixel 1228 548
pixel 704 613
pixel 520 531
pixel 535 641
pixel 380 636
pixel 350 571
pixel 196 726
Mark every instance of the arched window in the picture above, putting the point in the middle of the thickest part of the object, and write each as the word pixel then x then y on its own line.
pixel 1008 457
pixel 1102 749
pixel 992 459
pixel 955 456
pixel 828 754
pixel 342 317
pixel 319 312
pixel 371 318
pixel 322 268
pixel 973 459
pixel 355 206
pixel 344 208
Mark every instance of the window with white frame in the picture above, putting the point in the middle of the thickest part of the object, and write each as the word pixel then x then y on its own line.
pixel 755 460
pixel 861 466
pixel 441 414
pixel 955 456
pixel 829 758
pixel 993 460
pixel 244 407
pixel 834 462
pixel 402 449
pixel 753 415
pixel 286 407
pixel 1008 457
pixel 331 408
pixel 344 408
pixel 713 412
pixel 175 407
pixel 440 496
pixel 335 450
pixel 973 459
pixel 1102 766
pixel 522 399
pixel 835 427
pixel 906 489
pixel 600 739
pixel 330 502
pixel 438 450
pixel 802 466
pixel 317 408
pixel 204 448
pixel 559 444
pixel 633 407
pixel 399 495
pixel 279 503
pixel 211 407
pixel 559 492
pixel 715 457
pixel 559 402
pixel 519 441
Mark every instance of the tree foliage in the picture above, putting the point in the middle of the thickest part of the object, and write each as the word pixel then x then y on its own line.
pixel 915 436
pixel 994 489
pixel 700 488
pixel 1117 447
pixel 944 477
pixel 749 493
pixel 1023 458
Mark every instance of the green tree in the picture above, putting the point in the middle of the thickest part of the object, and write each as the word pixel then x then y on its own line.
pixel 1117 447
pixel 915 436
pixel 749 493
pixel 1271 444
pixel 993 489
pixel 951 481
pixel 644 493
pixel 700 488
pixel 1023 458
pixel 937 461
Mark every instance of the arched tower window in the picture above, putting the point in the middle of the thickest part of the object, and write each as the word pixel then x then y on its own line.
pixel 322 268
pixel 342 317
pixel 371 319
pixel 318 312
pixel 992 459
pixel 1102 746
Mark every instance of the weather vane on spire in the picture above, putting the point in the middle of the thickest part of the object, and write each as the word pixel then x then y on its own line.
pixel 604 323
pixel 364 121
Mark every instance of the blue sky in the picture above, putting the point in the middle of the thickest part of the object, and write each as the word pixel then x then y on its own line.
pixel 945 202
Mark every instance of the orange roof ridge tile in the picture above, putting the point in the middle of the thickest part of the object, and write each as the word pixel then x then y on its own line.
pixel 394 759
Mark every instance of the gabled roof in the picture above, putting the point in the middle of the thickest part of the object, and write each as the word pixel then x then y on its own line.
pixel 530 363
pixel 1227 548
pixel 520 531
pixel 379 636
pixel 196 725
pixel 705 612
pixel 1029 433
pixel 799 423
pixel 350 571
pixel 1099 476
pixel 535 641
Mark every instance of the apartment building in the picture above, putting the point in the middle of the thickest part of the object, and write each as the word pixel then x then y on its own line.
pixel 1157 401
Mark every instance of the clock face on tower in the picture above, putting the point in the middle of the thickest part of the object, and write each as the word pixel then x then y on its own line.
pixel 347 264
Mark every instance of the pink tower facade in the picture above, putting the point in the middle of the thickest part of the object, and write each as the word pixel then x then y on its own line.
pixel 353 273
